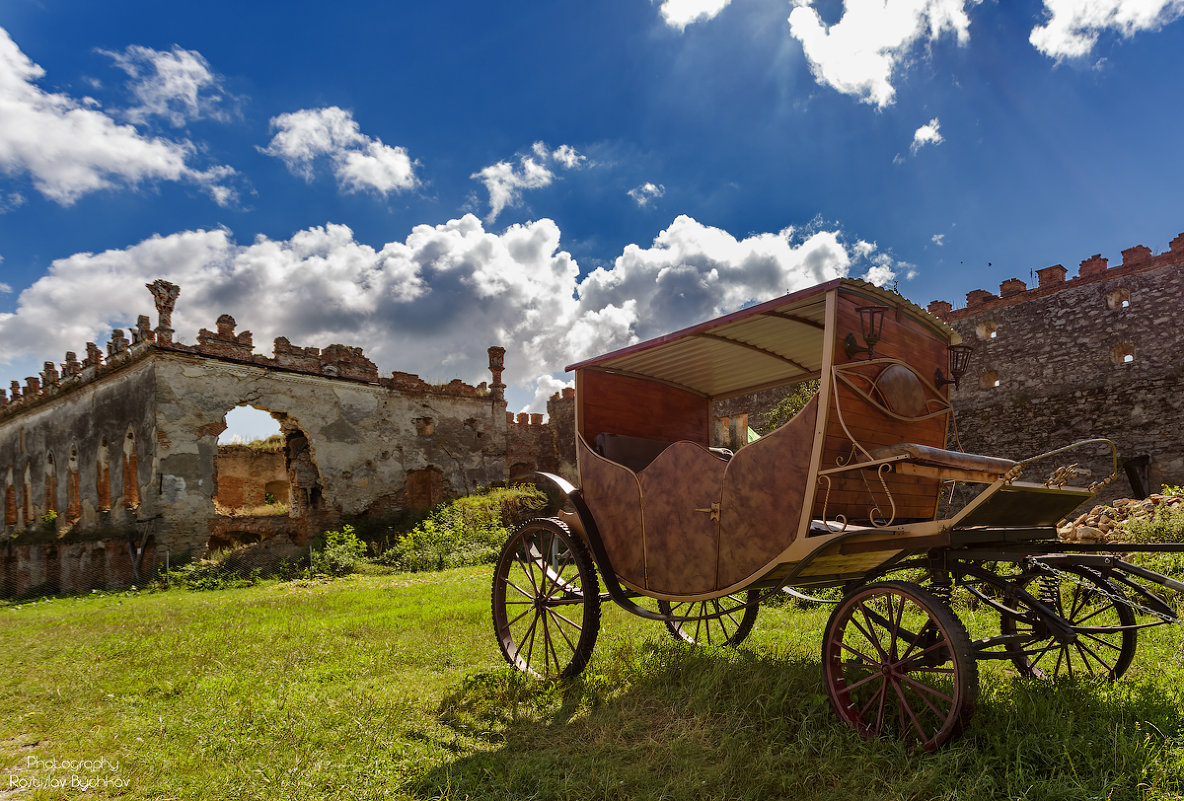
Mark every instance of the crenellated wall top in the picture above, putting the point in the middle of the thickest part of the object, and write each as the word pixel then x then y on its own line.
pixel 1052 279
pixel 336 361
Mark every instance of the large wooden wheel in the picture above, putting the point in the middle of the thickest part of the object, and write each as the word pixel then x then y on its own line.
pixel 1104 627
pixel 718 621
pixel 546 600
pixel 898 663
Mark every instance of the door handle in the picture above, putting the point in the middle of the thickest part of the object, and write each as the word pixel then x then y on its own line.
pixel 713 511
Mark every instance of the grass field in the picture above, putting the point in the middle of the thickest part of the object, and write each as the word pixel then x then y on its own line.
pixel 391 686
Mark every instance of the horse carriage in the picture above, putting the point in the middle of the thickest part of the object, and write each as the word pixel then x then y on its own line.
pixel 858 491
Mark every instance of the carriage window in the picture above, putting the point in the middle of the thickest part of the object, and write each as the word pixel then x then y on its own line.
pixel 988 379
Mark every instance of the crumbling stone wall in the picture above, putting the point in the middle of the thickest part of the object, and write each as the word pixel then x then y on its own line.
pixel 1097 355
pixel 529 445
pixel 246 476
pixel 561 420
pixel 125 445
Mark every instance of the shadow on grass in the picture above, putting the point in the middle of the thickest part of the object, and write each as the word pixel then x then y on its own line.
pixel 663 720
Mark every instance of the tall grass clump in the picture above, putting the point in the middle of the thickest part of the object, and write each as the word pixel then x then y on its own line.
pixel 466 531
pixel 1165 525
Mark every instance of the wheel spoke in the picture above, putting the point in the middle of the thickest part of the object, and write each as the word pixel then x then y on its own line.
pixel 918 686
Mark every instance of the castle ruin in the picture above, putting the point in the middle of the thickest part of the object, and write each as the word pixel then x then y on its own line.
pixel 108 460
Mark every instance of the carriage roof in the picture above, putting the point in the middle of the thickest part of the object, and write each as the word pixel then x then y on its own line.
pixel 774 343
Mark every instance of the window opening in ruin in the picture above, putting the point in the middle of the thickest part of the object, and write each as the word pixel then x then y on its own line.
pixel 9 499
pixel 103 477
pixel 986 329
pixel 51 485
pixel 250 471
pixel 1123 353
pixel 73 496
pixel 1118 298
pixel 988 379
pixel 131 464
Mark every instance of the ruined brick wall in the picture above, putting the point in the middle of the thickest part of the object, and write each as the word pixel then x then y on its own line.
pixel 370 449
pixel 1094 356
pixel 561 420
pixel 114 441
pixel 529 445
pixel 247 476
pixel 81 449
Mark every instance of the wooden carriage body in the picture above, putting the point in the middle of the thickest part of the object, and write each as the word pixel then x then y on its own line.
pixel 847 485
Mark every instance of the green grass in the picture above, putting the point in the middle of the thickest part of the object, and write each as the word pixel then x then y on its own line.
pixel 391 686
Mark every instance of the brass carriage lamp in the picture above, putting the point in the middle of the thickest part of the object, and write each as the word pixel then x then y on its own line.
pixel 959 361
pixel 871 320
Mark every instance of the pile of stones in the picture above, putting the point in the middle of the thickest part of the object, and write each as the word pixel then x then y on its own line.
pixel 1104 523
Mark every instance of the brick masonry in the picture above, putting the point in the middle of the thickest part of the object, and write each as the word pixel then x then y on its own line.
pixel 91 451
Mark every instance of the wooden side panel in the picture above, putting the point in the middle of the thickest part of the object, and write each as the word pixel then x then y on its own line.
pixel 913 342
pixel 624 405
pixel 763 492
pixel 681 542
pixel 614 498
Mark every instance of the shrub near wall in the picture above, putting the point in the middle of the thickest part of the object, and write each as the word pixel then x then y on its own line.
pixel 466 531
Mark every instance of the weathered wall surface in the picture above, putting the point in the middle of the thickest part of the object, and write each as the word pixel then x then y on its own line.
pixel 367 445
pixel 561 420
pixel 529 445
pixel 245 476
pixel 68 454
pixel 1094 356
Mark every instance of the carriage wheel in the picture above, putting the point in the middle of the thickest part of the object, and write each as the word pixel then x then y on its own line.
pixel 1092 606
pixel 546 600
pixel 719 621
pixel 898 663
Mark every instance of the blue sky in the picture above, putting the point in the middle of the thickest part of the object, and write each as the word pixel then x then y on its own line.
pixel 427 179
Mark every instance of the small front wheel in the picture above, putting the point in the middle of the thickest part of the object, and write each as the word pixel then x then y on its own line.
pixel 546 600
pixel 897 662
pixel 718 621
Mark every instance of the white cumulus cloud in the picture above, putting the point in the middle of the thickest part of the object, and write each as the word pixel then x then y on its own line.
pixel 177 85
pixel 505 181
pixel 938 239
pixel 360 163
pixel 433 302
pixel 927 134
pixel 1072 27
pixel 681 13
pixel 643 195
pixel 860 53
pixel 70 147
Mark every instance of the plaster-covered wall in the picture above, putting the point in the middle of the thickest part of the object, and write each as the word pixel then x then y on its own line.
pixel 364 440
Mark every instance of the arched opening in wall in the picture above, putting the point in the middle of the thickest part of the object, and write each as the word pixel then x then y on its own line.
pixel 988 379
pixel 51 485
pixel 73 496
pixel 250 470
pixel 986 329
pixel 131 472
pixel 103 477
pixel 9 499
pixel 1122 353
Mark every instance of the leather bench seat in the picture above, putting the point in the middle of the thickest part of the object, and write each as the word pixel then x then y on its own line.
pixel 938 457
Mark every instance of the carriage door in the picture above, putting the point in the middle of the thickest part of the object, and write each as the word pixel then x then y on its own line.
pixel 680 492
